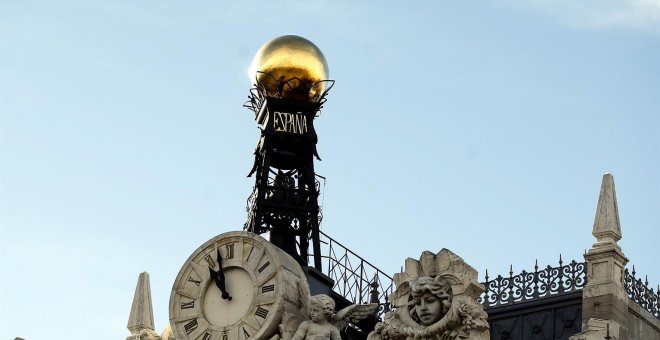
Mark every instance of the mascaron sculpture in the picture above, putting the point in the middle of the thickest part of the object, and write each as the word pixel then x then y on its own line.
pixel 435 298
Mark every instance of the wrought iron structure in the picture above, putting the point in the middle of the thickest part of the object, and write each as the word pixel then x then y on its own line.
pixel 542 304
pixel 354 278
pixel 640 292
pixel 287 89
pixel 284 200
pixel 527 286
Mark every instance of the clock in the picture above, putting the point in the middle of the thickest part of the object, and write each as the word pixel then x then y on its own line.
pixel 236 286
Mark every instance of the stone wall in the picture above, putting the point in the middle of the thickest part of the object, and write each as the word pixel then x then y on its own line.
pixel 642 325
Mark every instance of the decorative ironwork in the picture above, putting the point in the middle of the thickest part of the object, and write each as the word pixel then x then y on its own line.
pixel 640 292
pixel 607 336
pixel 292 89
pixel 355 278
pixel 284 201
pixel 283 190
pixel 528 286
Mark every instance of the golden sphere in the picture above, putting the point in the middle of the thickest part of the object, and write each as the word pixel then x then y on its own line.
pixel 287 57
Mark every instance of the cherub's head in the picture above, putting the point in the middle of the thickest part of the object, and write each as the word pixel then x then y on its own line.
pixel 430 299
pixel 322 308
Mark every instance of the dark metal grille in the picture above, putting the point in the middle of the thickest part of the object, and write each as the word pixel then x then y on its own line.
pixel 293 88
pixel 640 292
pixel 355 279
pixel 283 194
pixel 528 286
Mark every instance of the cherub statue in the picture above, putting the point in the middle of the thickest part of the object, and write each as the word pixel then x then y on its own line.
pixel 324 323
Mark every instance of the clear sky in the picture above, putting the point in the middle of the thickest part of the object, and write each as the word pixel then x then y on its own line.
pixel 481 127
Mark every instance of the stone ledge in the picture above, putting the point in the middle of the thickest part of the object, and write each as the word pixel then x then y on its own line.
pixel 644 315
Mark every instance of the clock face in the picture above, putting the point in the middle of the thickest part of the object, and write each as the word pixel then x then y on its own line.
pixel 257 276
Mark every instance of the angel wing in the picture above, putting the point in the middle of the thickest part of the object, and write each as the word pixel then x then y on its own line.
pixel 353 314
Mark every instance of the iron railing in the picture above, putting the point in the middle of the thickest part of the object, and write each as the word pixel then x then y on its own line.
pixel 641 294
pixel 527 286
pixel 355 278
pixel 361 282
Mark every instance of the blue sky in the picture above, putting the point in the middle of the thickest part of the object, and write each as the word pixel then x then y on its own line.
pixel 481 127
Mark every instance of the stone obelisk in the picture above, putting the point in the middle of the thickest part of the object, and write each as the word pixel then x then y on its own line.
pixel 142 316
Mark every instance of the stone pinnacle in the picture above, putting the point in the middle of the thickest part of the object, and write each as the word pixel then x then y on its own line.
pixel 606 224
pixel 142 316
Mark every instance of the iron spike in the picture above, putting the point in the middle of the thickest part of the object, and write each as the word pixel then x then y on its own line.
pixel 608 337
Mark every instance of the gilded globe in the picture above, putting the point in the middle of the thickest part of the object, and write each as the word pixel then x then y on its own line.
pixel 290 66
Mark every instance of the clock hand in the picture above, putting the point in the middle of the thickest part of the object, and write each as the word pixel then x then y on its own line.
pixel 219 278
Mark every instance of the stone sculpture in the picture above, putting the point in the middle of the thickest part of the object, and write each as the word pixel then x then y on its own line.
pixel 167 333
pixel 148 334
pixel 325 323
pixel 435 298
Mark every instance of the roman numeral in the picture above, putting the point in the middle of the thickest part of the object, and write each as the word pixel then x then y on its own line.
pixel 261 312
pixel 266 289
pixel 206 336
pixel 249 254
pixel 190 279
pixel 230 251
pixel 186 305
pixel 209 260
pixel 190 326
pixel 245 333
pixel 263 267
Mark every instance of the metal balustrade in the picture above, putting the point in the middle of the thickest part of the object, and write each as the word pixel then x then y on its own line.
pixel 355 278
pixel 527 286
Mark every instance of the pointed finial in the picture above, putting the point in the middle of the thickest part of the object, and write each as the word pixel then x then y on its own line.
pixel 606 224
pixel 142 316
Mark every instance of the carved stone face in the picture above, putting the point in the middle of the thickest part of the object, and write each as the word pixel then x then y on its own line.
pixel 429 309
pixel 317 314
pixel 430 300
